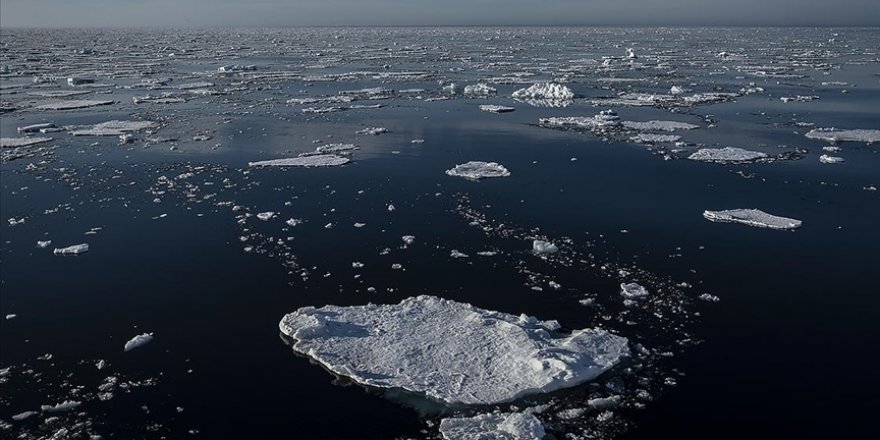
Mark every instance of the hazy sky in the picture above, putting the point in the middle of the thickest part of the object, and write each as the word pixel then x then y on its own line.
pixel 115 13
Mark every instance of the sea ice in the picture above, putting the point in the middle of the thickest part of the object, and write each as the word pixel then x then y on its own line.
pixel 73 104
pixel 633 290
pixel 659 125
pixel 835 135
pixel 650 138
pixel 450 351
pixel 545 94
pixel 138 341
pixel 480 89
pixel 72 250
pixel 494 426
pixel 373 131
pixel 264 216
pixel 830 159
pixel 544 247
pixel 727 155
pixel 317 160
pixel 113 128
pixel 67 405
pixel 9 142
pixel 476 170
pixel 496 108
pixel 752 217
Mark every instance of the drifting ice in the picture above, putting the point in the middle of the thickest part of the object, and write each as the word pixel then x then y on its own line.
pixel 834 135
pixel 496 108
pixel 544 247
pixel 72 250
pixel 138 341
pixel 545 94
pixel 752 217
pixel 476 170
pixel 73 104
pixel 22 141
pixel 317 160
pixel 505 426
pixel 727 155
pixel 450 351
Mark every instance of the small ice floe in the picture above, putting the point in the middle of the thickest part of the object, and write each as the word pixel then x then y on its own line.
pixel 67 405
pixel 469 355
pixel 544 247
pixel 651 138
pixel 676 90
pixel 264 216
pixel 545 94
pixel 408 239
pixel 35 128
pixel 631 53
pixel 455 253
pixel 42 244
pixel 417 141
pixel 752 217
pixel 658 125
pixel 835 135
pixel 727 155
pixel 709 298
pixel 633 290
pixel 73 104
pixel 606 119
pixel 373 131
pixel 496 108
pixel 293 222
pixel 493 426
pixel 11 316
pixel 316 160
pixel 337 148
pixel 799 98
pixel 72 250
pixel 113 128
pixel 480 89
pixel 24 415
pixel 476 170
pixel 830 159
pixel 14 142
pixel 138 341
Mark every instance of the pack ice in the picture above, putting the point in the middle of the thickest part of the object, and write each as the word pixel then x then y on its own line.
pixel 503 426
pixel 449 351
pixel 476 170
pixel 752 217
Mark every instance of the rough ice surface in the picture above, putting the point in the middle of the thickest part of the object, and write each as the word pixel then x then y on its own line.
pixel 317 160
pixel 494 426
pixel 113 128
pixel 604 120
pixel 72 250
pixel 496 108
pixel 830 159
pixel 650 138
pixel 9 142
pixel 476 170
pixel 373 131
pixel 73 104
pixel 752 217
pixel 480 89
pixel 659 125
pixel 138 341
pixel 450 351
pixel 835 135
pixel 545 90
pixel 67 405
pixel 727 155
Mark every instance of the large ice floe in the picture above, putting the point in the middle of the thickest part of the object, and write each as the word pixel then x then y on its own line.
pixel 493 426
pixel 545 94
pixel 315 160
pixel 13 142
pixel 449 351
pixel 727 155
pixel 476 170
pixel 73 104
pixel 113 128
pixel 835 135
pixel 752 217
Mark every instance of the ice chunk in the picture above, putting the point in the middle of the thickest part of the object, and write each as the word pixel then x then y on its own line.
pixel 835 135
pixel 72 250
pixel 727 155
pixel 545 94
pixel 752 217
pixel 264 216
pixel 502 426
pixel 373 131
pixel 317 160
pixel 450 351
pixel 496 108
pixel 480 89
pixel 73 104
pixel 604 120
pixel 22 141
pixel 659 125
pixel 42 244
pixel 650 138
pixel 544 247
pixel 35 128
pixel 633 290
pixel 830 159
pixel 337 148
pixel 24 415
pixel 138 341
pixel 409 239
pixel 67 405
pixel 476 170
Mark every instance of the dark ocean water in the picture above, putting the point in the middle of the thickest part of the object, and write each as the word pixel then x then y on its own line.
pixel 788 351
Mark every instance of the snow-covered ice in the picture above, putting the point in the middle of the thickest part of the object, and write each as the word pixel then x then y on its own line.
pixel 317 160
pixel 138 341
pixel 752 217
pixel 493 426
pixel 450 351
pixel 476 170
